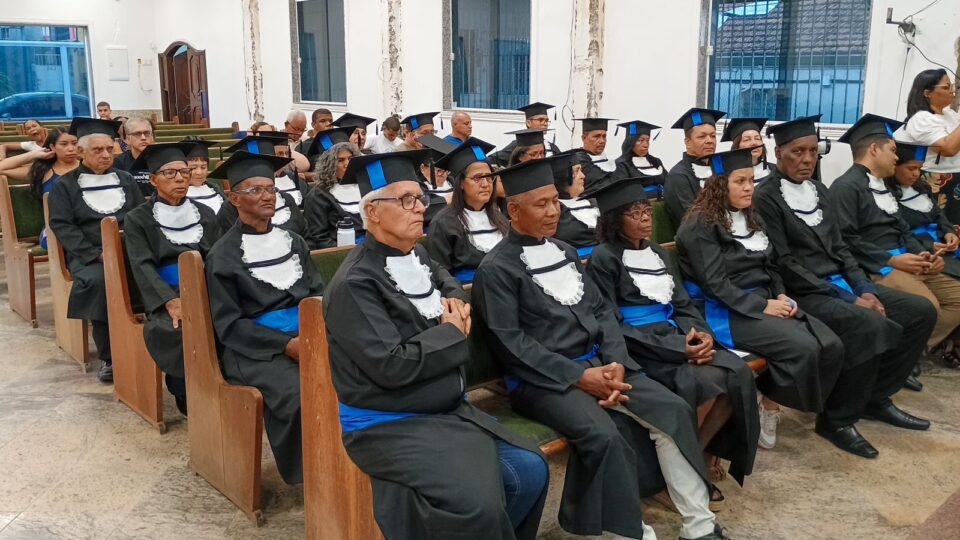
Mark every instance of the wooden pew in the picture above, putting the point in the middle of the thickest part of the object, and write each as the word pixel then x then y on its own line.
pixel 71 333
pixel 21 219
pixel 226 421
pixel 137 381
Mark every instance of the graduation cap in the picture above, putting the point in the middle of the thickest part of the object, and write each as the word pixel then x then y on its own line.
pixel 324 140
pixel 377 170
pixel 530 175
pixel 594 124
pixel 260 143
pixel 636 128
pixel 726 162
pixel 437 147
pixel 737 126
pixel 911 152
pixel 562 165
pixel 199 148
pixel 698 117
pixel 786 132
pixel 612 195
pixel 353 120
pixel 159 154
pixel 417 120
pixel 869 125
pixel 273 135
pixel 243 165
pixel 535 109
pixel 82 126
pixel 470 151
pixel 528 137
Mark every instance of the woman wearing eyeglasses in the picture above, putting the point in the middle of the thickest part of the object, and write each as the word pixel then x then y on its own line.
pixel 471 225
pixel 931 122
pixel 156 233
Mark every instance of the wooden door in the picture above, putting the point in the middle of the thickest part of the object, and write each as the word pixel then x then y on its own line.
pixel 183 85
pixel 197 67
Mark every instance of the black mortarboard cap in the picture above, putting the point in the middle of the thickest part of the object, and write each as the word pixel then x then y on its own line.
pixel 911 152
pixel 698 117
pixel 81 126
pixel 725 162
pixel 159 154
pixel 737 126
pixel 869 125
pixel 260 143
pixel 324 140
pixel 636 128
pixel 785 132
pixel 535 109
pixel 470 151
pixel 198 149
pixel 562 164
pixel 594 124
pixel 377 170
pixel 353 120
pixel 437 147
pixel 417 120
pixel 528 175
pixel 528 137
pixel 243 165
pixel 611 195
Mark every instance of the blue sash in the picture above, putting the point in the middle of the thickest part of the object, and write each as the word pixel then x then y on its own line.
pixel 930 229
pixel 585 252
pixel 885 270
pixel 355 418
pixel 649 314
pixel 512 382
pixel 837 281
pixel 359 238
pixel 465 275
pixel 718 316
pixel 171 274
pixel 284 320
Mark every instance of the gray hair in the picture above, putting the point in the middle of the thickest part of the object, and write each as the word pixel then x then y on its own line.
pixel 457 115
pixel 84 142
pixel 326 165
pixel 294 114
pixel 366 199
pixel 128 123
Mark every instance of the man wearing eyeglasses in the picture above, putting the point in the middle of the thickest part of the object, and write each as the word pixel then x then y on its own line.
pixel 257 273
pixel 397 326
pixel 139 135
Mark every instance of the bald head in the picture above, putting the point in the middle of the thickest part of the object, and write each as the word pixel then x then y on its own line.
pixel 461 125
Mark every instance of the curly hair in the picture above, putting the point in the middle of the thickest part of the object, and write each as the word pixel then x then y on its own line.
pixel 326 165
pixel 713 203
pixel 610 224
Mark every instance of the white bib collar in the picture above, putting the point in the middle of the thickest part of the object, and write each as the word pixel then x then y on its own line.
pixel 915 200
pixel 760 172
pixel 643 165
pixel 603 163
pixel 480 232
pixel 347 196
pixel 649 274
pixel 803 199
pixel 583 211
pixel 179 224
pixel 286 185
pixel 269 257
pixel 414 280
pixel 282 210
pixel 702 172
pixel 102 192
pixel 752 240
pixel 553 272
pixel 881 195
pixel 441 190
pixel 206 196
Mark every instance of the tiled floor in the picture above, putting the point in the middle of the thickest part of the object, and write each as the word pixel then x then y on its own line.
pixel 76 464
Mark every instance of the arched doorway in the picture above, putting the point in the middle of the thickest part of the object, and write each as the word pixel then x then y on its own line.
pixel 183 84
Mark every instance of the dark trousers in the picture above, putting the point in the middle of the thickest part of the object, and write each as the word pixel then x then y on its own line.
pixel 177 386
pixel 101 338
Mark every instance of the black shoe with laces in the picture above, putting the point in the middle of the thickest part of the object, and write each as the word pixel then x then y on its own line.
pixel 105 374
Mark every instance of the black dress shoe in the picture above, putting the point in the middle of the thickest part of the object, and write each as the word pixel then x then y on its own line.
pixel 181 404
pixel 912 383
pixel 897 417
pixel 105 374
pixel 846 438
pixel 916 370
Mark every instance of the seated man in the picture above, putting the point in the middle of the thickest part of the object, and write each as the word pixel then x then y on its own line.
pixel 397 327
pixel 536 117
pixel 138 133
pixel 156 233
pixel 686 178
pixel 417 125
pixel 78 201
pixel 568 367
pixel 257 273
pixel 597 167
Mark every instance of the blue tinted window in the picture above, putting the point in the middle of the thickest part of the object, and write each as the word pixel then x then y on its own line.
pixel 323 68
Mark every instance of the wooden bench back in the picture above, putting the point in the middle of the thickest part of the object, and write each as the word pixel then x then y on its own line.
pixel 21 216
pixel 71 333
pixel 664 230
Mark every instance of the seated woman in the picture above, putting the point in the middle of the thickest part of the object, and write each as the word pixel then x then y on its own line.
pixel 727 262
pixel 578 218
pixel 529 145
pixel 471 225
pixel 331 202
pixel 434 180
pixel 37 135
pixel 666 334
pixel 209 193
pixel 635 160
pixel 745 133
pixel 156 233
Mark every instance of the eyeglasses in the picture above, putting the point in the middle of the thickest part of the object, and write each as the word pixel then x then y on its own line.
pixel 258 191
pixel 140 134
pixel 639 214
pixel 481 179
pixel 408 202
pixel 170 174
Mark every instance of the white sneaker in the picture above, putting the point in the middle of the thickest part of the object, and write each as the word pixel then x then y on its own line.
pixel 768 428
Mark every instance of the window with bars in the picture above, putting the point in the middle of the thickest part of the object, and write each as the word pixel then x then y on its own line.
pixel 491 53
pixel 782 59
pixel 322 44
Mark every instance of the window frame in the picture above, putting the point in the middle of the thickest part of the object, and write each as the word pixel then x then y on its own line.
pixel 295 59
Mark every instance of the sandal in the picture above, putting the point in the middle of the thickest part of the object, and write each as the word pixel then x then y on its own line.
pixel 716 470
pixel 717 500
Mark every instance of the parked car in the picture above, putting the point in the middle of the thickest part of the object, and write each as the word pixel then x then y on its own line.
pixel 41 105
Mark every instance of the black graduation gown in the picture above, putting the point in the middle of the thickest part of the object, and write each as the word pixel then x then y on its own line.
pixel 593 174
pixel 253 354
pixel 537 339
pixel 299 189
pixel 210 201
pixel 449 245
pixel 436 475
pixel 77 227
pixel 680 189
pixel 866 229
pixel 804 356
pixel 148 249
pixel 660 348
pixel 296 223
pixel 933 220
pixel 627 169
pixel 502 157
pixel 125 162
pixel 437 203
pixel 573 231
pixel 323 212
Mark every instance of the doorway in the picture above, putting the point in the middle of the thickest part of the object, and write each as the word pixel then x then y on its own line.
pixel 183 85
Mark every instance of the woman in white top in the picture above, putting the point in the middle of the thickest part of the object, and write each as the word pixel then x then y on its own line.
pixel 931 122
